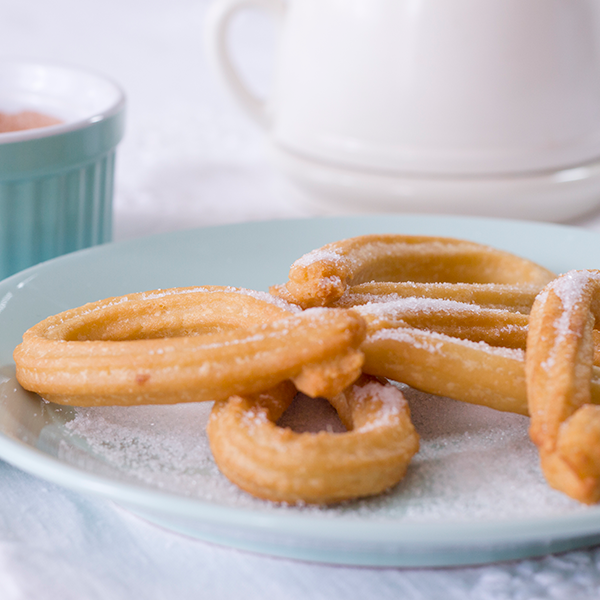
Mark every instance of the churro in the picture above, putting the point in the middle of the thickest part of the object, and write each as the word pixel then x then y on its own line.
pixel 565 426
pixel 321 277
pixel 187 345
pixel 281 465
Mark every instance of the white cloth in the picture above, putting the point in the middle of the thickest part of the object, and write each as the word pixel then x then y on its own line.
pixel 191 159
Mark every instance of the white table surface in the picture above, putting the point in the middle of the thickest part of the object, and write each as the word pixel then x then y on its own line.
pixel 191 159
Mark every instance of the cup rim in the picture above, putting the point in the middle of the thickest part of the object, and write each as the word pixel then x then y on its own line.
pixel 111 109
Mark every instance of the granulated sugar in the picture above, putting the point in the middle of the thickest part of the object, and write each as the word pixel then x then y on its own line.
pixel 474 463
pixel 163 446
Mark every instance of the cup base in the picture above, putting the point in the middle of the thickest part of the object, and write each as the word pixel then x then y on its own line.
pixel 557 195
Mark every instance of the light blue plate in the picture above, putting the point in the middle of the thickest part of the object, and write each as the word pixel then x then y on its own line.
pixel 412 526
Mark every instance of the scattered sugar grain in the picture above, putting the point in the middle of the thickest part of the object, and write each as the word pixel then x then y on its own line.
pixel 127 438
pixel 474 463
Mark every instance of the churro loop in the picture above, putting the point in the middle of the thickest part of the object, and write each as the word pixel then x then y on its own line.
pixel 321 277
pixel 278 464
pixel 565 426
pixel 187 344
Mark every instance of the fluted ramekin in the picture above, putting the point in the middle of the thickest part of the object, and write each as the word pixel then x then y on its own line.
pixel 56 182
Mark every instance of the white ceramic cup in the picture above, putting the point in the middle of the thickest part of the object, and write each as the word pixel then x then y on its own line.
pixel 467 87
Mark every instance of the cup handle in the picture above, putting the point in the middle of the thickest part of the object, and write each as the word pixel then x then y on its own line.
pixel 218 20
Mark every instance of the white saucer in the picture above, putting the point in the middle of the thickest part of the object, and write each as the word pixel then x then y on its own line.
pixel 545 195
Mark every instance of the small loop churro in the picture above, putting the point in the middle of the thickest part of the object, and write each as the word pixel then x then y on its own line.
pixel 323 275
pixel 278 464
pixel 187 344
pixel 559 365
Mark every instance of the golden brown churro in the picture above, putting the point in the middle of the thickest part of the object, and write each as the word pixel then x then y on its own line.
pixel 446 316
pixel 565 426
pixel 187 345
pixel 321 277
pixel 472 372
pixel 281 465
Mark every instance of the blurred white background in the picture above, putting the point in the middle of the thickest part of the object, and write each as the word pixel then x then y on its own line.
pixel 189 157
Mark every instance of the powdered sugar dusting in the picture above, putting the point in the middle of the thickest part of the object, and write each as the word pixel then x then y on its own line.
pixel 569 289
pixel 258 295
pixel 391 403
pixel 255 418
pixel 326 283
pixel 434 342
pixel 163 446
pixel 157 294
pixel 318 255
pixel 474 463
pixel 423 306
